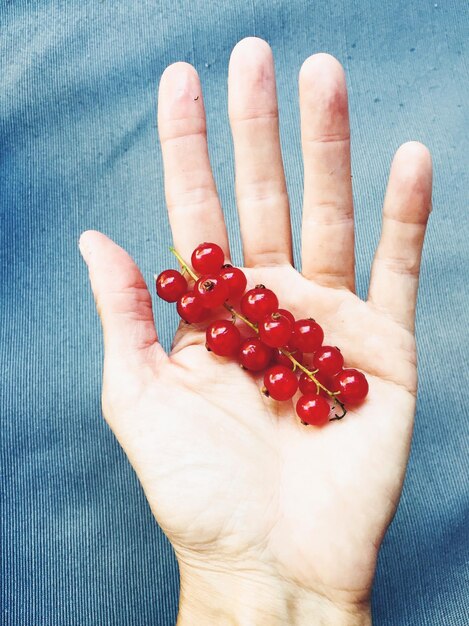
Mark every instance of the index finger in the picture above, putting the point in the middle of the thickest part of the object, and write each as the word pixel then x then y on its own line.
pixel 194 208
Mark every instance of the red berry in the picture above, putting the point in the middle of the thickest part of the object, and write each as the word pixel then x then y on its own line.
pixel 328 360
pixel 352 385
pixel 281 359
pixel 211 290
pixel 171 285
pixel 326 381
pixel 307 335
pixel 306 385
pixel 287 314
pixel 190 308
pixel 313 410
pixel 235 280
pixel 258 302
pixel 207 258
pixel 280 382
pixel 254 355
pixel 223 338
pixel 275 329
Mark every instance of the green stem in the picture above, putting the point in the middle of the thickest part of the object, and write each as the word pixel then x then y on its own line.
pixel 234 312
pixel 228 307
pixel 184 265
pixel 308 373
pixel 288 354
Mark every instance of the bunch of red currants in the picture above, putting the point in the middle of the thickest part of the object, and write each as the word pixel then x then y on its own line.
pixel 278 345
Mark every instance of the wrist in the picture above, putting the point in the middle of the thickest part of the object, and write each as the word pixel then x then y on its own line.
pixel 250 599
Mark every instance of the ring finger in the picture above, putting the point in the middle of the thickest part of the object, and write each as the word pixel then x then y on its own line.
pixel 328 229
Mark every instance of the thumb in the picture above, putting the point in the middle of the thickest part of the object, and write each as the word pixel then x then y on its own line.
pixel 122 298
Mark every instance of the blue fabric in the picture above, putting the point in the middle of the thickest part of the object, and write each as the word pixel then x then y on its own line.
pixel 78 150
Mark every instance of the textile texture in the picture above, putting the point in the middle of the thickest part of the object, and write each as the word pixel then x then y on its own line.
pixel 79 149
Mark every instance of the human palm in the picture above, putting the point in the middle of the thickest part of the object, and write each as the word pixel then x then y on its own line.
pixel 238 484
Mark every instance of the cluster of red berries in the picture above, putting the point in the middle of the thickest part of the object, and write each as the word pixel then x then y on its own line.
pixel 281 346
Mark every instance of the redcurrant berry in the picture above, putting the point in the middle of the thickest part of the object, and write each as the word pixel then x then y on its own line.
pixel 258 302
pixel 313 410
pixel 171 285
pixel 223 338
pixel 275 329
pixel 207 258
pixel 326 381
pixel 190 308
pixel 254 355
pixel 307 335
pixel 308 386
pixel 286 313
pixel 280 382
pixel 282 359
pixel 211 290
pixel 235 280
pixel 352 385
pixel 328 360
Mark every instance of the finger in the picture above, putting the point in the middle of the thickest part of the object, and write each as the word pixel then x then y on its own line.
pixel 260 180
pixel 327 236
pixel 122 299
pixel 194 208
pixel 407 205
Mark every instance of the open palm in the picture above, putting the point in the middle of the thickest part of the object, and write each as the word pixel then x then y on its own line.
pixel 242 489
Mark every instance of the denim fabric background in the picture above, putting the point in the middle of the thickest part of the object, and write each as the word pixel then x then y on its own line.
pixel 79 149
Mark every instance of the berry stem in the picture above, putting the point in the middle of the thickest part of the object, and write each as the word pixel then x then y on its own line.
pixel 183 264
pixel 344 410
pixel 234 312
pixel 308 373
pixel 332 394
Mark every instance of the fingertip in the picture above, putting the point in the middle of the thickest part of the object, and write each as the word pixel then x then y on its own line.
pixel 410 182
pixel 179 92
pixel 175 70
pixel 416 148
pixel 88 241
pixel 416 158
pixel 250 49
pixel 84 243
pixel 251 80
pixel 252 62
pixel 322 68
pixel 323 99
pixel 121 295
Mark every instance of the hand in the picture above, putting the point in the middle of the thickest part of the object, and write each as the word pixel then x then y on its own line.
pixel 272 522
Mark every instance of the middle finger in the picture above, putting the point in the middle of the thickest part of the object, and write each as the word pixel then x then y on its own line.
pixel 260 180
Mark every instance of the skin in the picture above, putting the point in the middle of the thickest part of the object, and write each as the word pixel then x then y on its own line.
pixel 272 522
